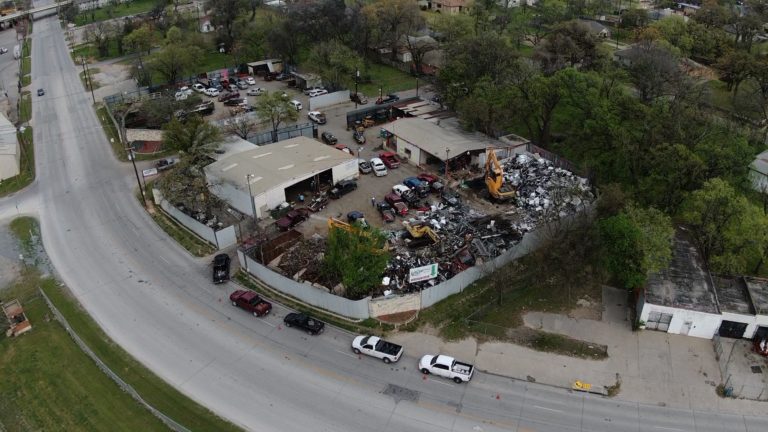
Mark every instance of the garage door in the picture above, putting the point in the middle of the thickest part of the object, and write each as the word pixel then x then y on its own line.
pixel 658 321
pixel 732 329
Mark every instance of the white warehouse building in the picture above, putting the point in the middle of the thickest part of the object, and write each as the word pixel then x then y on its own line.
pixel 262 178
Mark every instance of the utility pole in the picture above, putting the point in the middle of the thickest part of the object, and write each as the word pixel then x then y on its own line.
pixel 88 79
pixel 248 178
pixel 132 157
pixel 447 177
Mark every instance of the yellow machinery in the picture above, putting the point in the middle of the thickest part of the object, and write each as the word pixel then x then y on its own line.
pixel 494 178
pixel 335 223
pixel 7 8
pixel 419 231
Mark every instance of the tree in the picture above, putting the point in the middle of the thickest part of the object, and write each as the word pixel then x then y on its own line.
pixel 223 16
pixel 621 253
pixel 195 139
pixel 419 46
pixel 284 39
pixel 653 70
pixel 634 18
pixel 392 20
pixel 335 63
pixel 99 35
pixel 276 109
pixel 674 30
pixel 141 40
pixel 356 257
pixel 175 58
pixel 241 126
pixel 570 44
pixel 186 184
pixel 712 14
pixel 450 28
pixel 657 233
pixel 485 108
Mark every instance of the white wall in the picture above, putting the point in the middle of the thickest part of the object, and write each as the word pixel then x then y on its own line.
pixel 416 154
pixel 347 170
pixel 235 197
pixel 335 98
pixel 9 166
pixel 750 320
pixel 704 325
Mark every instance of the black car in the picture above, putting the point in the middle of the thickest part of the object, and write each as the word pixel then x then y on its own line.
pixel 359 137
pixel 450 197
pixel 342 188
pixel 234 102
pixel 357 217
pixel 389 98
pixel 305 322
pixel 40 92
pixel 221 268
pixel 329 138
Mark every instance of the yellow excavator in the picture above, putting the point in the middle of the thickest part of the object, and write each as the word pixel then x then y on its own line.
pixel 335 223
pixel 494 178
pixel 422 235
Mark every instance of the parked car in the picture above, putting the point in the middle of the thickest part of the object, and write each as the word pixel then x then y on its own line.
pixel 40 92
pixel 418 186
pixel 446 367
pixel 235 102
pixel 389 98
pixel 231 87
pixel 358 98
pixel 357 217
pixel 198 88
pixel 251 302
pixel 432 180
pixel 309 90
pixel 292 218
pixel 318 92
pixel 450 197
pixel 400 189
pixel 211 92
pixel 359 137
pixel 343 147
pixel 250 80
pixel 386 211
pixel 180 96
pixel 164 164
pixel 365 167
pixel 397 204
pixel 282 76
pixel 255 91
pixel 229 95
pixel 221 264
pixel 317 117
pixel 378 348
pixel 186 90
pixel 342 188
pixel 304 322
pixel 390 159
pixel 295 104
pixel 379 169
pixel 3 50
pixel 329 138
pixel 242 84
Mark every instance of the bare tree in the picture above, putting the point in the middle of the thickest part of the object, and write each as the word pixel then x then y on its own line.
pixel 242 126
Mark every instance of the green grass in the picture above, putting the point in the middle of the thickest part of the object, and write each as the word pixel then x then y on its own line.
pixel 26 80
pixel 26 66
pixel 386 78
pixel 559 344
pixel 213 60
pixel 25 107
pixel 120 10
pixel 26 50
pixel 91 53
pixel 49 384
pixel 111 131
pixel 183 236
pixel 26 166
pixel 91 72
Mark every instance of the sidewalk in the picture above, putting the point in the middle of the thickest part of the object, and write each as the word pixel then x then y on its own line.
pixel 655 368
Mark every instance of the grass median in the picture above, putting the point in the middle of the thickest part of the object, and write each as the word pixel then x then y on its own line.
pixel 50 384
pixel 25 107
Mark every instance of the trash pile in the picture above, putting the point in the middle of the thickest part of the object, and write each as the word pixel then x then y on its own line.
pixel 545 192
pixel 304 261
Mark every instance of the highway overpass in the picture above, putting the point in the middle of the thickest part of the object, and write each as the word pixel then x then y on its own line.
pixel 22 14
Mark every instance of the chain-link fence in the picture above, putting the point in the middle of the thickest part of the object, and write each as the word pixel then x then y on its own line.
pixel 104 368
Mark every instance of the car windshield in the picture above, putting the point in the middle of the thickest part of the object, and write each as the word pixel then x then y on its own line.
pixel 365 340
pixel 434 360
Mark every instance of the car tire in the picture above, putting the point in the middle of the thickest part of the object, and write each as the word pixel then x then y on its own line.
pixel 356 351
pixel 287 324
pixel 386 360
pixel 425 371
pixel 457 380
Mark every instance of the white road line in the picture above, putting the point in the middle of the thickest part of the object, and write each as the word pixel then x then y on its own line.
pixel 267 323
pixel 667 428
pixel 548 409
pixel 440 382
pixel 346 354
pixel 166 261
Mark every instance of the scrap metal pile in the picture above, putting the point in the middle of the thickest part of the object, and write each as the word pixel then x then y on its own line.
pixel 304 261
pixel 543 191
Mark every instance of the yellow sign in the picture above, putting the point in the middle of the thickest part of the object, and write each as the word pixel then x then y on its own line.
pixel 578 385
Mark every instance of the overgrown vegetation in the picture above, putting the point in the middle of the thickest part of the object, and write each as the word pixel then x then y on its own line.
pixel 357 258
pixel 115 10
pixel 181 235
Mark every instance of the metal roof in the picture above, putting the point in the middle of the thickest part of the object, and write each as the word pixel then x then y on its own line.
pixel 9 144
pixel 276 164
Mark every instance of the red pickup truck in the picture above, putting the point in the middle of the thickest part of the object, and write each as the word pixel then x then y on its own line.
pixel 390 159
pixel 251 302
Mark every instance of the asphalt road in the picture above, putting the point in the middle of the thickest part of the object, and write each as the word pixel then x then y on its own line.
pixel 157 302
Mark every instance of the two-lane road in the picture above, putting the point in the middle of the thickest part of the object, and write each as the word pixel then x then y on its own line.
pixel 158 303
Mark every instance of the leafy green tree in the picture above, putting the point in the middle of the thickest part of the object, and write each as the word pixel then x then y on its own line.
pixel 141 40
pixel 450 28
pixel 186 184
pixel 621 253
pixel 712 14
pixel 195 139
pixel 674 30
pixel 634 18
pixel 570 44
pixel 224 14
pixel 655 242
pixel 335 63
pixel 392 20
pixel 357 258
pixel 175 57
pixel 273 107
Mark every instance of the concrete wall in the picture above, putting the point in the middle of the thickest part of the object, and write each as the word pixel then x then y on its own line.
pixel 317 102
pixel 9 166
pixel 221 239
pixel 391 305
pixel 349 308
pixel 347 170
pixel 703 325
pixel 236 198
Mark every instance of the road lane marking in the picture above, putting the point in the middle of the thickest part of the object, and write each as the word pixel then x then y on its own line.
pixel 346 354
pixel 668 428
pixel 267 323
pixel 548 409
pixel 166 261
pixel 440 382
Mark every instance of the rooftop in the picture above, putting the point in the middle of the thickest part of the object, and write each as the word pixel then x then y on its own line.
pixel 685 284
pixel 758 293
pixel 435 139
pixel 143 135
pixel 8 140
pixel 732 295
pixel 276 164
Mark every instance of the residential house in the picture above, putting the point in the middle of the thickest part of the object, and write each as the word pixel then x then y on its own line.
pixel 596 28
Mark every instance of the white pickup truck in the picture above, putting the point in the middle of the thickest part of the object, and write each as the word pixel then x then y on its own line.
pixel 447 367
pixel 377 347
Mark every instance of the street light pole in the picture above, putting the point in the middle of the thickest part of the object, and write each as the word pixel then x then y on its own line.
pixel 417 86
pixel 248 178
pixel 132 157
pixel 447 155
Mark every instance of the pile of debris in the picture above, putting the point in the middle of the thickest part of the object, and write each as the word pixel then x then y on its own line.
pixel 465 238
pixel 545 192
pixel 304 262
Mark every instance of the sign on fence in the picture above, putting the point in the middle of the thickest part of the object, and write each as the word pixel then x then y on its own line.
pixel 423 273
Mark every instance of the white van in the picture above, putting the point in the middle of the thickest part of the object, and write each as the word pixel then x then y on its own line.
pixel 378 167
pixel 296 105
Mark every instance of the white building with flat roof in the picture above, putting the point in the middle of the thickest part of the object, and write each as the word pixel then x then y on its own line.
pixel 9 150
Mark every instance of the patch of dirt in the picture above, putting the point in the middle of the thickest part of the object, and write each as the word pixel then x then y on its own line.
pixel 112 74
pixel 587 308
pixel 551 342
pixel 398 318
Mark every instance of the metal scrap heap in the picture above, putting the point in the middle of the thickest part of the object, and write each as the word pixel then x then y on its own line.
pixel 545 192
